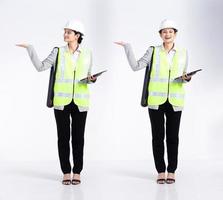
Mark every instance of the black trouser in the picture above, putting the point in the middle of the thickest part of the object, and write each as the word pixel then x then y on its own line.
pixel 77 127
pixel 158 125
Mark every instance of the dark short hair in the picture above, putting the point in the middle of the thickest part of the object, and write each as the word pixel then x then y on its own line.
pixel 80 38
pixel 175 30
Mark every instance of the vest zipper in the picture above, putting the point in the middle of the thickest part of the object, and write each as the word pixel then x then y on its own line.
pixel 73 85
pixel 168 86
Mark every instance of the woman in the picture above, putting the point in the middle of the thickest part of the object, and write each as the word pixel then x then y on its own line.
pixel 166 96
pixel 71 97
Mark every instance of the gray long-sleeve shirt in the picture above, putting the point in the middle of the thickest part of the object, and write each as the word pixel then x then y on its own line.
pixel 45 64
pixel 49 61
pixel 144 61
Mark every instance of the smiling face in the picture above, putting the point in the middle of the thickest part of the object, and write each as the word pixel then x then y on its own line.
pixel 70 35
pixel 168 35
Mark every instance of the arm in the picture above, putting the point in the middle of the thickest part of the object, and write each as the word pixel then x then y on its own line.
pixel 42 65
pixel 142 62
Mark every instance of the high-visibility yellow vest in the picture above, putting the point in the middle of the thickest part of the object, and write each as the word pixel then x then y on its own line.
pixel 67 86
pixel 162 85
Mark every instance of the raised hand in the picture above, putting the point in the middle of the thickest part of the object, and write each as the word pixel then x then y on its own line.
pixel 22 45
pixel 121 43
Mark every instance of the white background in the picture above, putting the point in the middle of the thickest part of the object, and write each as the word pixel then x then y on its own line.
pixel 117 127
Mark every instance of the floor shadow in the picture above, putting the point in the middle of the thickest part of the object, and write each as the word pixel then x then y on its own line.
pixel 35 174
pixel 133 174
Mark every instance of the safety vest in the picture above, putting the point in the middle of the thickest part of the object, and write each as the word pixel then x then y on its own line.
pixel 162 85
pixel 67 86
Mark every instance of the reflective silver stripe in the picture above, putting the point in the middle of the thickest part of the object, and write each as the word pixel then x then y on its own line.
pixel 177 108
pixel 59 107
pixel 157 79
pixel 164 94
pixel 62 62
pixel 68 95
pixel 177 96
pixel 81 96
pixel 158 94
pixel 66 81
pixel 154 107
pixel 157 62
pixel 82 108
pixel 61 94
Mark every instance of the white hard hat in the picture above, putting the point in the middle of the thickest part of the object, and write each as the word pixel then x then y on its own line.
pixel 166 23
pixel 76 26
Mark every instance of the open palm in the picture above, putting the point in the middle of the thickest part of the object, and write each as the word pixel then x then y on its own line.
pixel 121 43
pixel 22 45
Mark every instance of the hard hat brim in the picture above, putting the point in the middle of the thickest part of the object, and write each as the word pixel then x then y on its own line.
pixel 169 28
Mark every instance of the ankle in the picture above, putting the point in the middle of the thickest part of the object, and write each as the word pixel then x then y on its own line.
pixel 161 175
pixel 67 175
pixel 170 175
pixel 76 175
